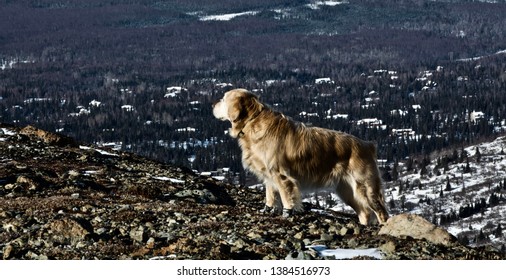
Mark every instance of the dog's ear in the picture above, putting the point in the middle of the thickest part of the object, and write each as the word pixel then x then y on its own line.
pixel 245 106
pixel 252 105
pixel 236 111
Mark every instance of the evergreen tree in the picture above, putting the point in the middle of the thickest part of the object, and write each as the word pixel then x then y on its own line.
pixel 464 240
pixel 391 204
pixel 481 236
pixel 317 200
pixel 423 170
pixel 409 164
pixel 498 231
pixel 403 201
pixel 448 185
pixel 467 169
pixel 395 172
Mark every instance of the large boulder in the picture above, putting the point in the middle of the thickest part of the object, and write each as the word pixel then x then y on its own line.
pixel 416 227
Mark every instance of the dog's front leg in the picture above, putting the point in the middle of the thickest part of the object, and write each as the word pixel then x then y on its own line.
pixel 271 198
pixel 289 192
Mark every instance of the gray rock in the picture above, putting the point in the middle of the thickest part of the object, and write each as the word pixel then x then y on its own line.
pixel 416 227
pixel 138 234
pixel 68 231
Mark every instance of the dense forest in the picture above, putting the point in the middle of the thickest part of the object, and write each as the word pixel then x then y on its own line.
pixel 414 76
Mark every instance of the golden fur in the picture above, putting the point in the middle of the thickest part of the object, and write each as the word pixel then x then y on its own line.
pixel 291 158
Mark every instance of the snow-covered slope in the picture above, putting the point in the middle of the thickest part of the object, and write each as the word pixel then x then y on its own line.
pixel 467 196
pixel 463 191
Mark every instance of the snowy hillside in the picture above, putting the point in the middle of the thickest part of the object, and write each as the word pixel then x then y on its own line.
pixel 462 190
pixel 466 196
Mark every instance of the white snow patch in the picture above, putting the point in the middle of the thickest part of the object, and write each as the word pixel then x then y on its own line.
pixel 6 131
pixel 323 81
pixel 127 108
pixel 172 180
pixel 227 17
pixel 317 4
pixel 340 254
pixel 95 103
pixel 102 152
pixel 174 91
pixel 480 57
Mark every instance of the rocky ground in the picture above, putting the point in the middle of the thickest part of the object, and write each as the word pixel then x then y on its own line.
pixel 63 200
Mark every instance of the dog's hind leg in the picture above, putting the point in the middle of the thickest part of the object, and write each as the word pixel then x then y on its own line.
pixel 353 194
pixel 376 200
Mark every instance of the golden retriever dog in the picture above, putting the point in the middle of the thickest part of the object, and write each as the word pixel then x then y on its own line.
pixel 291 158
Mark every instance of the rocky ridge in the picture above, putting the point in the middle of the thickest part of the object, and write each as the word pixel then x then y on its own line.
pixel 63 200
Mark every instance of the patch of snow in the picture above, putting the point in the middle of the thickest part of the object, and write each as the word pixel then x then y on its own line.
pixel 8 132
pixel 4 64
pixel 336 116
pixel 223 85
pixel 172 180
pixel 127 108
pixel 227 17
pixel 174 91
pixel 340 254
pixel 323 81
pixel 102 152
pixel 95 103
pixel 317 4
pixel 186 129
pixel 32 100
pixel 480 57
pixel 82 111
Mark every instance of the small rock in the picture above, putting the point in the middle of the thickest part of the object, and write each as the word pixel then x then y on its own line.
pixel 352 243
pixel 344 231
pixel 150 243
pixel 326 237
pixel 254 235
pixel 80 245
pixel 138 234
pixel 388 248
pixel 298 255
pixel 69 231
pixel 299 235
pixel 10 227
pixel 73 173
pixel 125 207
pixel 8 252
pixel 47 137
pixel 307 241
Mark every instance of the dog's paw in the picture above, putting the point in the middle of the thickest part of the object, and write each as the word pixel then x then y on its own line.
pixel 267 210
pixel 287 213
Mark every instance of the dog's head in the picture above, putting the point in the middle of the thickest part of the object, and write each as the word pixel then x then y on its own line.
pixel 237 106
